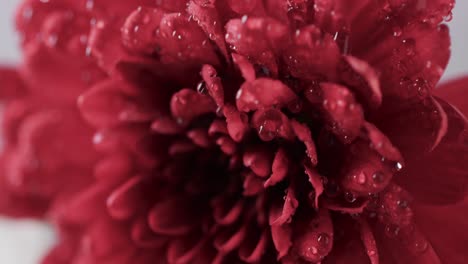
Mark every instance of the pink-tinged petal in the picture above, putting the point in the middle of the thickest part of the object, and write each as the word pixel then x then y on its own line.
pixel 253 185
pixel 115 167
pixel 237 122
pixel 313 237
pixel 124 202
pixel 406 245
pixel 364 171
pixel 176 33
pixel 316 180
pixel 242 6
pixel 103 106
pixel 259 160
pixel 218 127
pixel 226 211
pixel 40 74
pixel 207 18
pixel 230 238
pixel 11 82
pixel 213 84
pixel 363 78
pixel 258 39
pixel 105 45
pixel 227 145
pixel 450 241
pixel 246 68
pixel 335 15
pixel 349 247
pixel 282 214
pixel 454 92
pixel 167 126
pixel 312 54
pixel 170 5
pixel 263 93
pixel 82 207
pixel 412 64
pixel 144 237
pixel 271 123
pixel 200 137
pixel 174 216
pixel 185 249
pixel 252 250
pixel 418 132
pixel 355 209
pixel 180 147
pixel 381 144
pixel 138 30
pixel 303 134
pixel 344 116
pixel 279 168
pixel 368 240
pixel 282 239
pixel 187 105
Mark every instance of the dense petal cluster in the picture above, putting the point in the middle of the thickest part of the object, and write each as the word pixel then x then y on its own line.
pixel 237 131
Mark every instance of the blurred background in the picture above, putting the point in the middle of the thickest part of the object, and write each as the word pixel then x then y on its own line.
pixel 25 242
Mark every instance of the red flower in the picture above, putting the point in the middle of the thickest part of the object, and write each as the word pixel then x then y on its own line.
pixel 238 131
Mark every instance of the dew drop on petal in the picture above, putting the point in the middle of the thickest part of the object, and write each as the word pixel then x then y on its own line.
pixel 421 246
pixel 323 239
pixel 398 166
pixel 402 204
pixel 201 87
pixel 378 177
pixel 97 138
pixel 392 230
pixel 350 197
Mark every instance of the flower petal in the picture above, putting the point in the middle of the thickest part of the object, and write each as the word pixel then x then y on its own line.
pixel 188 104
pixel 450 241
pixel 263 93
pixel 436 175
pixel 454 92
pixel 174 216
pixel 361 76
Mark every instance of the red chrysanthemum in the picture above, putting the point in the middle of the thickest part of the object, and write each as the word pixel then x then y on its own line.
pixel 238 131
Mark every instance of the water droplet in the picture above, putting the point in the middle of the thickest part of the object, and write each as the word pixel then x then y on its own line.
pixel 409 45
pixel 89 4
pixel 398 166
pixel 350 197
pixel 97 138
pixel 421 246
pixel 270 123
pixel 219 112
pixel 402 204
pixel 392 230
pixel 378 177
pixel 201 87
pixel 449 17
pixel 323 239
pixel 88 51
pixel 244 19
pixel 361 178
pixel 28 13
pixel 397 32
pixel 312 250
pixel 52 40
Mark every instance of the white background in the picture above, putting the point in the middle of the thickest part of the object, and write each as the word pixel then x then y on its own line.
pixel 24 242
